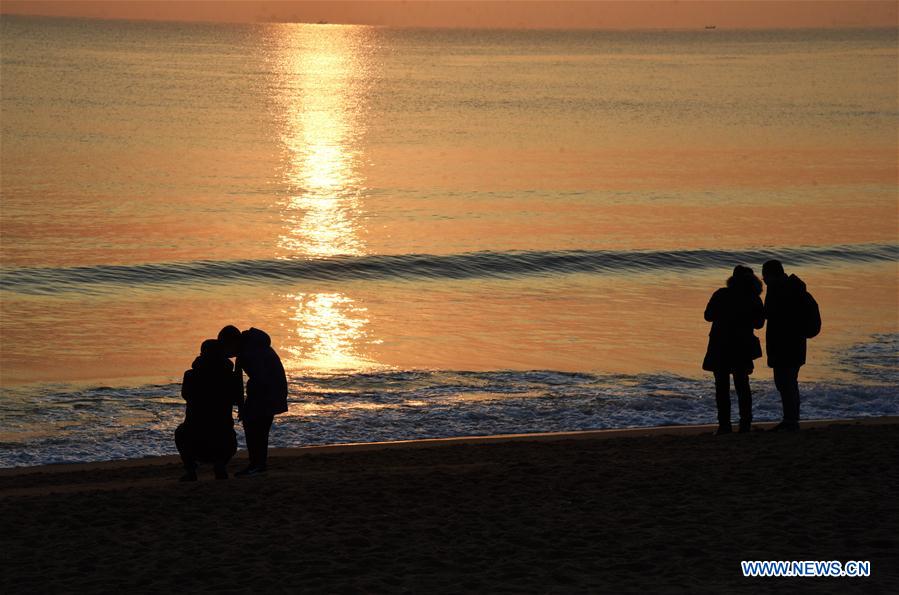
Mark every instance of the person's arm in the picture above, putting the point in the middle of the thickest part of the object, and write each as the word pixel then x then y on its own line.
pixel 758 313
pixel 766 309
pixel 713 307
pixel 237 381
pixel 187 386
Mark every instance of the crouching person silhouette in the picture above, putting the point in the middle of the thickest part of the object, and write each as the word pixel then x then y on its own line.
pixel 211 389
pixel 266 389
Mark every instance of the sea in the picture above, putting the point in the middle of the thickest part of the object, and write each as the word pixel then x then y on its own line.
pixel 445 232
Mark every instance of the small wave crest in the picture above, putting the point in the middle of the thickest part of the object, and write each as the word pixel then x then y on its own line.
pixel 419 267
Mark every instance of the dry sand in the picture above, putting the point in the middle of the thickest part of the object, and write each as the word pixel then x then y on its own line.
pixel 657 511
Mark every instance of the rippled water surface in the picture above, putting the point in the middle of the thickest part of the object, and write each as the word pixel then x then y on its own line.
pixel 445 232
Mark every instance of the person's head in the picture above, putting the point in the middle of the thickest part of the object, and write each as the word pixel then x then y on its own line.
pixel 744 278
pixel 229 338
pixel 772 271
pixel 742 271
pixel 211 347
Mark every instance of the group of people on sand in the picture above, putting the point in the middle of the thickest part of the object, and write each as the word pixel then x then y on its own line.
pixel 213 386
pixel 735 311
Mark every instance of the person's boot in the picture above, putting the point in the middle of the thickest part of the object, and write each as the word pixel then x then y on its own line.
pixel 250 470
pixel 723 429
pixel 189 475
pixel 190 472
pixel 745 427
pixel 221 472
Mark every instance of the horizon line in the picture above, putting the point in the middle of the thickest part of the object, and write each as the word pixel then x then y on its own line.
pixel 710 27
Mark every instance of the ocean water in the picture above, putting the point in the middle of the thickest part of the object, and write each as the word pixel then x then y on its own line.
pixel 445 232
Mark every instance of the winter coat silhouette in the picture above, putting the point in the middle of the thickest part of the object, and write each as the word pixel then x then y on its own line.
pixel 793 317
pixel 211 390
pixel 734 311
pixel 266 380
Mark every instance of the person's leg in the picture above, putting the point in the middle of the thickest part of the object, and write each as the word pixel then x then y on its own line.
pixel 265 426
pixel 744 395
pixel 722 399
pixel 184 444
pixel 787 383
pixel 780 386
pixel 256 430
pixel 227 448
pixel 251 435
pixel 791 414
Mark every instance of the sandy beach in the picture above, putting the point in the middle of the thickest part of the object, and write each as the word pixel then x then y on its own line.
pixel 448 218
pixel 668 509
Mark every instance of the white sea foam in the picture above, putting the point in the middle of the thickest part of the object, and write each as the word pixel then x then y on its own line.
pixel 52 425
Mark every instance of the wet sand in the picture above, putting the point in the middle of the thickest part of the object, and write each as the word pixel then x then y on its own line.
pixel 668 509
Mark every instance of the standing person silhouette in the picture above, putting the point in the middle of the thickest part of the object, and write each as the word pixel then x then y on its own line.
pixel 266 389
pixel 793 317
pixel 734 311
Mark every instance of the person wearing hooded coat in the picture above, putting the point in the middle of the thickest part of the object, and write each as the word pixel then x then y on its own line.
pixel 734 311
pixel 266 392
pixel 793 317
pixel 211 390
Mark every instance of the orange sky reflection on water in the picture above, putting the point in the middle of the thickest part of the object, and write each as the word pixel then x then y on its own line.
pixel 322 208
pixel 614 324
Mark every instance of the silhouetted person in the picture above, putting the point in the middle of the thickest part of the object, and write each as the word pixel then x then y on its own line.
pixel 211 389
pixel 793 317
pixel 734 311
pixel 266 389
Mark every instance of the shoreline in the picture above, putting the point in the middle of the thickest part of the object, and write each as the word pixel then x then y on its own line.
pixel 358 447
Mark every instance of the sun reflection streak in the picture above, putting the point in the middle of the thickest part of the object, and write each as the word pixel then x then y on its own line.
pixel 324 70
pixel 330 326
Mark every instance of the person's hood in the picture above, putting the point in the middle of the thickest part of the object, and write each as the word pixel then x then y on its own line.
pixel 791 284
pixel 254 339
pixel 795 283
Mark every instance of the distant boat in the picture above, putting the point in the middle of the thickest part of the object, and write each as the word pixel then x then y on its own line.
pixel 710 26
